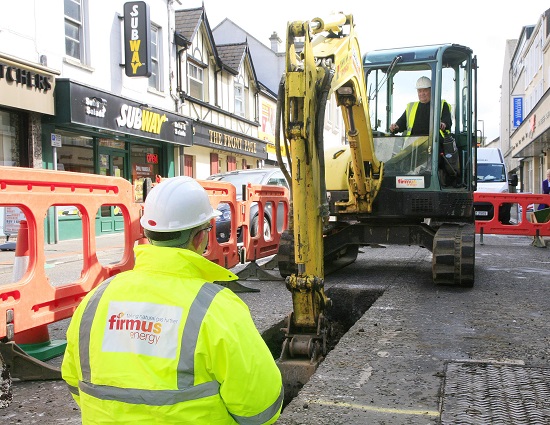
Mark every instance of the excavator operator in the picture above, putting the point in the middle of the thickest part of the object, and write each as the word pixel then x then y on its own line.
pixel 415 120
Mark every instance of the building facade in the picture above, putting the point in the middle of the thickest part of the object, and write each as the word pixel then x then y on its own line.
pixel 220 93
pixel 525 121
pixel 130 89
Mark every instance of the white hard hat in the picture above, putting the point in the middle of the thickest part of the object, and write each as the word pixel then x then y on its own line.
pixel 177 203
pixel 423 83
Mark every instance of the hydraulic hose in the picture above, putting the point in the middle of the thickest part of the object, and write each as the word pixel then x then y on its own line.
pixel 278 120
pixel 319 127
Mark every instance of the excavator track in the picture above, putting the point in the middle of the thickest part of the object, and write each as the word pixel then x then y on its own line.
pixel 285 255
pixel 453 258
pixel 337 259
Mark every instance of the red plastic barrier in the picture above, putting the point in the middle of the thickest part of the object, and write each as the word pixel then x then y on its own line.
pixel 31 301
pixel 259 246
pixel 524 227
pixel 225 254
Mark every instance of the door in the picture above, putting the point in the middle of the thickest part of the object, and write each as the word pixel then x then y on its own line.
pixel 111 163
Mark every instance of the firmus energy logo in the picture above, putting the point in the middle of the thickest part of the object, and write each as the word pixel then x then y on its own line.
pixel 144 330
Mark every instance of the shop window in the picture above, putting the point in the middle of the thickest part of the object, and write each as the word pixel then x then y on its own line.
pixel 76 153
pixel 144 163
pixel 111 143
pixel 214 163
pixel 243 164
pixel 154 79
pixel 74 29
pixel 195 75
pixel 10 138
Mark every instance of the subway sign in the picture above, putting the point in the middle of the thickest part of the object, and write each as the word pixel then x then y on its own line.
pixel 101 110
pixel 137 39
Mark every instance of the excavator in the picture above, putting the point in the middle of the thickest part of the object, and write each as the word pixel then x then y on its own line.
pixel 378 188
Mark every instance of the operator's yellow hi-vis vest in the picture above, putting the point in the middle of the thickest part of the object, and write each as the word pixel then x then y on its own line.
pixel 410 114
pixel 159 345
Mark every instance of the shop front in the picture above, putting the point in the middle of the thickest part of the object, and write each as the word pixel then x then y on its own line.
pixel 530 143
pixel 220 150
pixel 26 95
pixel 101 133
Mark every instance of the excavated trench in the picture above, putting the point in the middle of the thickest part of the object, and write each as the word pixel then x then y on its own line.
pixel 349 303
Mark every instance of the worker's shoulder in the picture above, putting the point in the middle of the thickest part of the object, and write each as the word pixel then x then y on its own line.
pixel 226 298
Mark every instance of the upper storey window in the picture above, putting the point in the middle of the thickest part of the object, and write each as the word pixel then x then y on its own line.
pixel 195 75
pixel 74 29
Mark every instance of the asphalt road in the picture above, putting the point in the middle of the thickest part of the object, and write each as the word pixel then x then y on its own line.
pixel 419 355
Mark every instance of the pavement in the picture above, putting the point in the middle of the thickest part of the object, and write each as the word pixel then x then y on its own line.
pixel 414 353
pixel 64 251
pixel 440 355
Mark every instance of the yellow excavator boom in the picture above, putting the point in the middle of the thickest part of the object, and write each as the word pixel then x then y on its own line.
pixel 322 59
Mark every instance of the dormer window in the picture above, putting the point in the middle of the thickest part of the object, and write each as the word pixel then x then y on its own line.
pixel 195 76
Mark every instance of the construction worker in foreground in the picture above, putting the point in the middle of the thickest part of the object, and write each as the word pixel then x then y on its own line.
pixel 159 344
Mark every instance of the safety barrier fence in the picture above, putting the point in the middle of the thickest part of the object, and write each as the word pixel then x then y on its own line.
pixel 225 253
pixel 526 224
pixel 30 301
pixel 271 220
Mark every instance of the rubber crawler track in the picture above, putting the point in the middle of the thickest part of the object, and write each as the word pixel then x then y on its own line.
pixel 285 256
pixel 453 258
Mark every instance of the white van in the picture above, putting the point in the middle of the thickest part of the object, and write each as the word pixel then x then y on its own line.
pixel 492 177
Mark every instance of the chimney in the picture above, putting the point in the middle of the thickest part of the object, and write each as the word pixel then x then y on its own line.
pixel 275 42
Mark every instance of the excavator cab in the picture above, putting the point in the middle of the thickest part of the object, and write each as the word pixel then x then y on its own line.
pixel 438 161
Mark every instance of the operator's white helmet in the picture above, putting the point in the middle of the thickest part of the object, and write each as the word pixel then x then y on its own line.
pixel 177 203
pixel 423 83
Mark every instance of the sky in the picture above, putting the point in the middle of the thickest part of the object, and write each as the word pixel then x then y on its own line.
pixel 482 25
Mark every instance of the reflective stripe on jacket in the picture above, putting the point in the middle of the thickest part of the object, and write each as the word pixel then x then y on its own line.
pixel 159 345
pixel 410 113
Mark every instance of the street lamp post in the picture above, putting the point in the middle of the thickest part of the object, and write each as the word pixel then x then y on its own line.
pixel 482 132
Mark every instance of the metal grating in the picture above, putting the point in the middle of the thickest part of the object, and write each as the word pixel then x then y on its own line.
pixel 422 205
pixel 482 394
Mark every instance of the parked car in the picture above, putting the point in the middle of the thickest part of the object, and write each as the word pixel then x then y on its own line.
pixel 240 178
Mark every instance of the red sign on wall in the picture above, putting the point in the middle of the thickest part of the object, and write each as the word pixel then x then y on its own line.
pixel 152 158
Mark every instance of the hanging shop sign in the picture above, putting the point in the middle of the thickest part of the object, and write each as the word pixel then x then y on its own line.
pixel 137 39
pixel 101 110
pixel 26 87
pixel 219 138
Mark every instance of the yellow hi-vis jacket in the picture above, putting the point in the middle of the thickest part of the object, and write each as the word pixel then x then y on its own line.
pixel 158 345
pixel 410 113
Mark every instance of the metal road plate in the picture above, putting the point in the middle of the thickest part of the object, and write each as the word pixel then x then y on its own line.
pixel 482 393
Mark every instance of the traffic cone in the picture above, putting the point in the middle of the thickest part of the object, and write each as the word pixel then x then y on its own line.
pixel 21 261
pixel 36 341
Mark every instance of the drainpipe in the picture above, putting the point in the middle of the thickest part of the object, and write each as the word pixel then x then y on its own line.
pixel 171 44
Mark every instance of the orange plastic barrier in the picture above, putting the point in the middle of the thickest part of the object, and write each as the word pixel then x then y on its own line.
pixel 524 227
pixel 28 305
pixel 264 195
pixel 31 302
pixel 225 254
